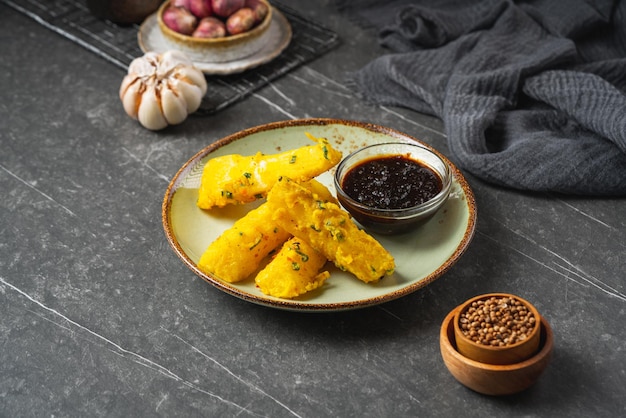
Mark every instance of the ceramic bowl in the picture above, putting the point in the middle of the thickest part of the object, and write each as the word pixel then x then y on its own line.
pixel 493 379
pixel 123 11
pixel 218 50
pixel 505 354
pixel 393 221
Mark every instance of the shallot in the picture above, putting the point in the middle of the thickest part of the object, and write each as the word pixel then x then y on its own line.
pixel 225 8
pixel 210 27
pixel 179 20
pixel 259 8
pixel 240 21
pixel 180 3
pixel 200 8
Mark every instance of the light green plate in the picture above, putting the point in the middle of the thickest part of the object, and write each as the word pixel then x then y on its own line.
pixel 421 256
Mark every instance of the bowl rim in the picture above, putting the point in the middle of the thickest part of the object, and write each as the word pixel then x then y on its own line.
pixel 544 350
pixel 257 30
pixel 536 329
pixel 409 212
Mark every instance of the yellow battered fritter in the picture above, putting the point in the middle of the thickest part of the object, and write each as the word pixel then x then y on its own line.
pixel 294 271
pixel 236 179
pixel 239 251
pixel 330 230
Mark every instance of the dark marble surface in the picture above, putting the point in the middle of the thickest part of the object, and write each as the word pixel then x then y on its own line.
pixel 98 317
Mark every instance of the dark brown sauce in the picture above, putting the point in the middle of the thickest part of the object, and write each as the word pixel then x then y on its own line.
pixel 391 182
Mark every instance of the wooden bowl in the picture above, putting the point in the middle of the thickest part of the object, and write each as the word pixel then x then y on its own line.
pixel 493 379
pixel 218 50
pixel 506 354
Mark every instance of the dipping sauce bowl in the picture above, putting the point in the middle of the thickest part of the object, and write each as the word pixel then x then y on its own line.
pixel 392 187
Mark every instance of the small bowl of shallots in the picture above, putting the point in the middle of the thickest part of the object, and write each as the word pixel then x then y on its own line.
pixel 222 30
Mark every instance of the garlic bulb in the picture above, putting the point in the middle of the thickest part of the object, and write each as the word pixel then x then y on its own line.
pixel 162 89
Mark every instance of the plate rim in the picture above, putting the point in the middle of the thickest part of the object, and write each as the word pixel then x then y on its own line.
pixel 294 305
pixel 226 68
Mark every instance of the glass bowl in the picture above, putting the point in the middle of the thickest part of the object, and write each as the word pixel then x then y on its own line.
pixel 368 208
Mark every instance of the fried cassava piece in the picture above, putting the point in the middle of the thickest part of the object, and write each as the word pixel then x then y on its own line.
pixel 236 179
pixel 238 252
pixel 240 249
pixel 329 229
pixel 294 271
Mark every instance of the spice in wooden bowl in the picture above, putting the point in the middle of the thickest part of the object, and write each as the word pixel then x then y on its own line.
pixel 494 379
pixel 497 328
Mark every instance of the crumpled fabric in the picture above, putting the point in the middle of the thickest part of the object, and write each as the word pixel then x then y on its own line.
pixel 532 94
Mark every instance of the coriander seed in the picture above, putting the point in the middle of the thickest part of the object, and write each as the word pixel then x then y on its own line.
pixel 497 321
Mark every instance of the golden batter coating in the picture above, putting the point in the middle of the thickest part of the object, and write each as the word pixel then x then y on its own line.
pixel 237 179
pixel 239 251
pixel 330 230
pixel 294 271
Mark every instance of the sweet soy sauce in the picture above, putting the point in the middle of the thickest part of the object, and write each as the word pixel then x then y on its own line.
pixel 391 182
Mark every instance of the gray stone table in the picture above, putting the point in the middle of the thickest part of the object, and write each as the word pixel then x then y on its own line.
pixel 98 316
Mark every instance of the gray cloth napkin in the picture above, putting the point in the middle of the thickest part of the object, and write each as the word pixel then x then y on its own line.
pixel 531 93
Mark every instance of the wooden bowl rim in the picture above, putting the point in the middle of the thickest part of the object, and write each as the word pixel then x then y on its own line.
pixel 240 37
pixel 464 305
pixel 544 350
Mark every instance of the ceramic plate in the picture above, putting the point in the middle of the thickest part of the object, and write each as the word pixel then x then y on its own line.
pixel 278 36
pixel 421 256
